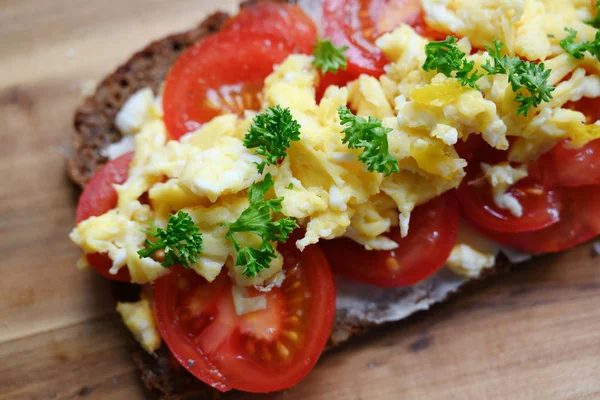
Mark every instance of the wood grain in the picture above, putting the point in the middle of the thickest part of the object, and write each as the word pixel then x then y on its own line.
pixel 531 334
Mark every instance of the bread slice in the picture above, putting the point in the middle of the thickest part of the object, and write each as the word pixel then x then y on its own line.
pixel 360 308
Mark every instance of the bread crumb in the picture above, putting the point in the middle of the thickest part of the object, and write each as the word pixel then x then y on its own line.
pixel 88 87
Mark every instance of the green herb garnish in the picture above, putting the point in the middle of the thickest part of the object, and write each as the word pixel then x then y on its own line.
pixel 370 135
pixel 181 241
pixel 257 219
pixel 271 133
pixel 523 76
pixel 446 58
pixel 329 58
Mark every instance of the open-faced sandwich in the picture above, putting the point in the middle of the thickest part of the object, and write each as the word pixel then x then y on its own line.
pixel 269 184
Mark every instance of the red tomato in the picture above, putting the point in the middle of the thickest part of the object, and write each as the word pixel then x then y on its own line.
pixel 431 237
pixel 563 166
pixel 475 150
pixel 279 19
pixel 541 206
pixel 221 74
pixel 98 197
pixel 579 222
pixel 358 23
pixel 263 351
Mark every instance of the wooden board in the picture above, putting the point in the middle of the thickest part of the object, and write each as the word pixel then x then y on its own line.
pixel 531 334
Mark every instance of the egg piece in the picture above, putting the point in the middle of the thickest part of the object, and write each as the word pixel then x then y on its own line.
pixel 135 111
pixel 469 262
pixel 473 253
pixel 120 234
pixel 327 225
pixel 210 134
pixel 210 219
pixel 368 98
pixel 292 84
pixel 226 168
pixel 406 50
pixel 409 189
pixel 446 101
pixel 138 317
pixel 500 178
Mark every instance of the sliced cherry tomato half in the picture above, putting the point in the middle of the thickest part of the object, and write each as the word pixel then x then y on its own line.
pixel 475 150
pixel 431 237
pixel 563 166
pixel 279 19
pixel 358 23
pixel 262 351
pixel 98 197
pixel 541 206
pixel 579 222
pixel 223 73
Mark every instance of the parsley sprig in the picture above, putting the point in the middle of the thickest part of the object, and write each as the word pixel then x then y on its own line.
pixel 181 241
pixel 328 57
pixel 577 50
pixel 595 22
pixel 271 133
pixel 522 76
pixel 257 219
pixel 370 135
pixel 446 58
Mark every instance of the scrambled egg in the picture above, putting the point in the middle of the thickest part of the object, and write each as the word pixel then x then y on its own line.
pixel 324 186
pixel 139 319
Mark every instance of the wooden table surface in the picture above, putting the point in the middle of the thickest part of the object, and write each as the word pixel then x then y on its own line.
pixel 530 334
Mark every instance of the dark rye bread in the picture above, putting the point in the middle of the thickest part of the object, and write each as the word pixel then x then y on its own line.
pixel 95 129
pixel 94 119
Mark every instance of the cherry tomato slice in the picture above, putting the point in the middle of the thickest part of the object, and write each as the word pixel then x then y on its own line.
pixel 475 151
pixel 98 197
pixel 579 222
pixel 563 166
pixel 357 24
pixel 262 351
pixel 223 73
pixel 279 19
pixel 541 206
pixel 431 237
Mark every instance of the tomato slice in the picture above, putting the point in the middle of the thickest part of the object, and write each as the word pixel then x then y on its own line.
pixel 262 351
pixel 541 206
pixel 279 19
pixel 431 237
pixel 475 150
pixel 223 73
pixel 358 23
pixel 579 222
pixel 98 197
pixel 563 166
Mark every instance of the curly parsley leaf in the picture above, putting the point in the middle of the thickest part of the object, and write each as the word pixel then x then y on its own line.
pixel 257 219
pixel 577 50
pixel 445 57
pixel 595 22
pixel 370 135
pixel 328 57
pixel 522 76
pixel 271 133
pixel 181 241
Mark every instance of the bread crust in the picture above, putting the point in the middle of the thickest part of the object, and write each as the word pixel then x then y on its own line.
pixel 95 119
